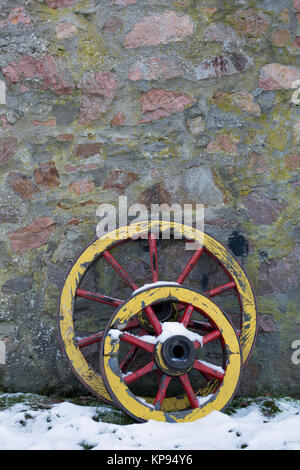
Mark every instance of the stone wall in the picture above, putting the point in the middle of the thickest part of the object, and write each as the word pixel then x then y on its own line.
pixel 161 101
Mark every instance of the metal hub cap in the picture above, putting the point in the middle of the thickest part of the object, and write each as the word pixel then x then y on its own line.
pixel 175 356
pixel 178 353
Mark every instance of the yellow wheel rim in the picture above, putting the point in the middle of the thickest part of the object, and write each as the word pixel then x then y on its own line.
pixel 112 374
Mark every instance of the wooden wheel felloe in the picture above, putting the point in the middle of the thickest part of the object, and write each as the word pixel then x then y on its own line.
pixel 148 319
pixel 173 353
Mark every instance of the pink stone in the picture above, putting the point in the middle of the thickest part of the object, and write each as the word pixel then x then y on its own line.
pixel 262 209
pixel 99 83
pixel 252 23
pixel 17 15
pixel 118 120
pixel 154 68
pixel 65 138
pixel 92 107
pixel 65 30
pixel 59 3
pixel 292 162
pixel 222 65
pixel 245 101
pixel 72 168
pixel 47 175
pixel 119 180
pixel 24 88
pixel 25 67
pixel 280 37
pixel 22 185
pixel 159 29
pixel 48 69
pixel 32 236
pixel 157 103
pixel 113 24
pixel 257 163
pixel 50 122
pixel 98 90
pixel 82 186
pixel 54 76
pixel 297 42
pixel 88 150
pixel 156 194
pixel 8 147
pixel 208 11
pixel 266 324
pixel 224 143
pixel 278 77
pixel 5 123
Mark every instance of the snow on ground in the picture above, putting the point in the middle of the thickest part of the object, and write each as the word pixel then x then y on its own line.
pixel 69 426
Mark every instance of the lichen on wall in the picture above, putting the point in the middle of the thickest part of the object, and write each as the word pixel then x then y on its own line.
pixel 175 101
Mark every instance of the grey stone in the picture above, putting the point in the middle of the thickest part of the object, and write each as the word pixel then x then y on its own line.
pixel 17 285
pixel 65 114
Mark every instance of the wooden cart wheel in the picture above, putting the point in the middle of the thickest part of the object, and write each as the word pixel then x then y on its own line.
pixel 101 248
pixel 173 352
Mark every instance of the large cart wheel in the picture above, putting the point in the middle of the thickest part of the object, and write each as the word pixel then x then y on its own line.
pixel 173 351
pixel 149 319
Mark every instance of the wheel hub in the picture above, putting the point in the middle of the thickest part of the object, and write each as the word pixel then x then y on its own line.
pixel 176 355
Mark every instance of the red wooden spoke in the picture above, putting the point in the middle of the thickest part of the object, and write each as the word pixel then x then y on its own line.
pixel 102 299
pixel 153 320
pixel 95 338
pixel 220 289
pixel 189 390
pixel 197 344
pixel 135 341
pixel 198 325
pixel 185 319
pixel 140 372
pixel 162 390
pixel 128 358
pixel 211 337
pixel 190 264
pixel 116 266
pixel 153 257
pixel 132 325
pixel 207 339
pixel 203 368
pixel 131 353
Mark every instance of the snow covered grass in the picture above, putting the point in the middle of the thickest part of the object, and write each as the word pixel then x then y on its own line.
pixel 33 422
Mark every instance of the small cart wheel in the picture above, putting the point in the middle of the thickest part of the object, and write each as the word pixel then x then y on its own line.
pixel 173 352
